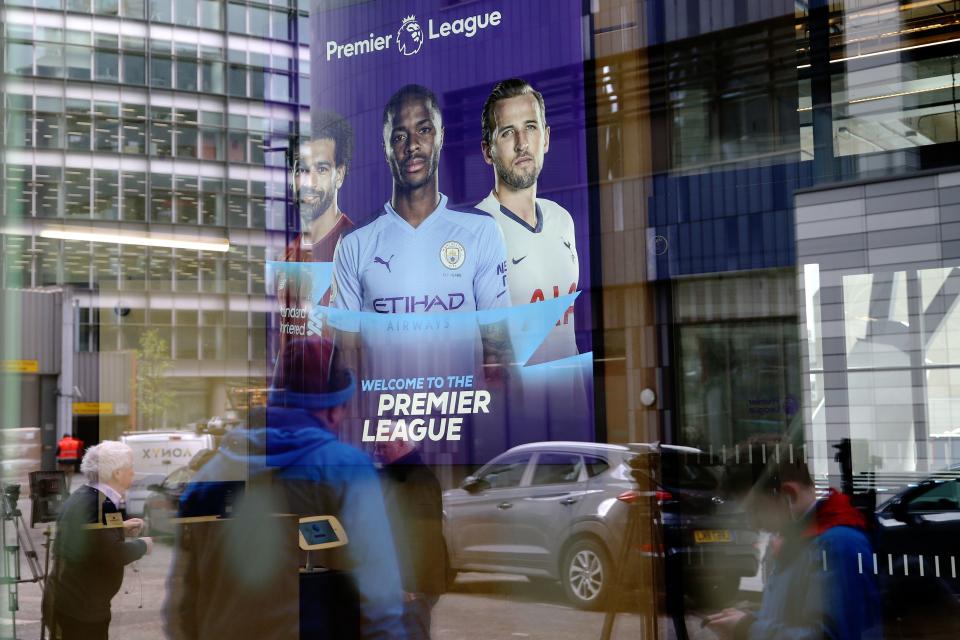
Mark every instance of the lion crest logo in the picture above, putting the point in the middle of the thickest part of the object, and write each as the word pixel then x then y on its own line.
pixel 409 36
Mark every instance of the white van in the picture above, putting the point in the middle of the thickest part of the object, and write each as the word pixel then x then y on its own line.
pixel 155 455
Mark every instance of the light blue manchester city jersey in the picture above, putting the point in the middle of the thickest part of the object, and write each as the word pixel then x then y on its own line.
pixel 454 261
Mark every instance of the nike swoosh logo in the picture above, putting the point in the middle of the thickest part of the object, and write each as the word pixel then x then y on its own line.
pixel 517 260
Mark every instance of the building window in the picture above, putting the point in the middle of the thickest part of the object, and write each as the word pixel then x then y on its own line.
pixel 79 124
pixel 186 13
pixel 739 380
pixel 161 72
pixel 187 195
pixel 237 80
pixel 78 63
pixel 134 69
pixel 236 18
pixel 49 127
pixel 134 196
pixel 48 261
pixel 211 202
pixel 77 202
pixel 49 191
pixel 161 11
pixel 76 263
pixel 19 59
pixel 134 9
pixel 49 60
pixel 107 7
pixel 211 14
pixel 106 195
pixel 161 198
pixel 17 196
pixel 133 265
pixel 160 269
pixel 211 77
pixel 187 75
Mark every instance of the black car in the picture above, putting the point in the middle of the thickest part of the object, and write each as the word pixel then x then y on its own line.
pixel 918 559
pixel 923 523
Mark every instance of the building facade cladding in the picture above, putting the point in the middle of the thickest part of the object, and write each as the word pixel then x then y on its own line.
pixel 165 117
pixel 878 285
pixel 698 154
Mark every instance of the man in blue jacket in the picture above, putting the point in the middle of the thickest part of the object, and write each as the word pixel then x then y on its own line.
pixel 231 577
pixel 822 583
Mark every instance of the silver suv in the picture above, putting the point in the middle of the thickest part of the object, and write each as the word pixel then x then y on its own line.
pixel 558 511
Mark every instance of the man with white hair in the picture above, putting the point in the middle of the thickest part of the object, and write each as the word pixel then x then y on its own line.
pixel 90 550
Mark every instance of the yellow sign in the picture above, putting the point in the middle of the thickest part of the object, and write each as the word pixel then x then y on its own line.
pixel 92 408
pixel 19 366
pixel 711 535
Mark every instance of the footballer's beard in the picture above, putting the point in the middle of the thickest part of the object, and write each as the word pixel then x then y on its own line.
pixel 518 179
pixel 313 203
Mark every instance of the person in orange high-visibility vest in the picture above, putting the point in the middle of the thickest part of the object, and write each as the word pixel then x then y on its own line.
pixel 69 453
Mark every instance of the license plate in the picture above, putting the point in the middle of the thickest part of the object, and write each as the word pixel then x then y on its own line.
pixel 711 535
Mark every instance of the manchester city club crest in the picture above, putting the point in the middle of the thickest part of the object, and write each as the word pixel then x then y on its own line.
pixel 452 254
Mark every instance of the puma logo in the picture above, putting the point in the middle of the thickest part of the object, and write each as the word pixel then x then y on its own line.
pixel 386 263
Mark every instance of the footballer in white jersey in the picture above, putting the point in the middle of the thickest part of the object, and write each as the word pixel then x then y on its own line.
pixel 542 259
pixel 543 265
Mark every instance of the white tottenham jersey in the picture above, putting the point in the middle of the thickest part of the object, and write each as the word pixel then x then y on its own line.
pixel 543 265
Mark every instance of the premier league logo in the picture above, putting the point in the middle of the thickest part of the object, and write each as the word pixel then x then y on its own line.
pixel 452 254
pixel 409 36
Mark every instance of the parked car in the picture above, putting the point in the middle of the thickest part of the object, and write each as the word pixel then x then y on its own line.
pixel 155 455
pixel 558 511
pixel 917 556
pixel 923 523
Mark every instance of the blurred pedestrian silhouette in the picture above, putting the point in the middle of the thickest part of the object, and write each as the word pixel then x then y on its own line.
pixel 818 586
pixel 414 504
pixel 239 575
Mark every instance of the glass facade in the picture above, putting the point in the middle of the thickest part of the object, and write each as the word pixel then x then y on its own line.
pixel 603 351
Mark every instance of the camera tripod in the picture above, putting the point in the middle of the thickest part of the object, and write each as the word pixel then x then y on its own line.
pixel 11 542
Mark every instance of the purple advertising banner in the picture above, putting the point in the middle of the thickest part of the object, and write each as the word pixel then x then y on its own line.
pixel 363 53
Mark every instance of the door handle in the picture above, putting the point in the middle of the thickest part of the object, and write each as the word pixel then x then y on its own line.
pixel 569 501
pixel 504 505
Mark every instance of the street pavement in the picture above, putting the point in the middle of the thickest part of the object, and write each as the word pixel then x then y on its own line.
pixel 479 607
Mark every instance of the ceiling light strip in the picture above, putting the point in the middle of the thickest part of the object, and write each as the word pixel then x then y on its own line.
pixel 220 246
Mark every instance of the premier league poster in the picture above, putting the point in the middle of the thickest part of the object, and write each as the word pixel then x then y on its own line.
pixel 444 222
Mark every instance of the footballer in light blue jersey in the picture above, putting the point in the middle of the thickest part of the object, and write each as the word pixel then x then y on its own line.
pixel 419 256
pixel 453 261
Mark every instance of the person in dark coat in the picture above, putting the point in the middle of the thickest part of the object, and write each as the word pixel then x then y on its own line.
pixel 414 504
pixel 90 550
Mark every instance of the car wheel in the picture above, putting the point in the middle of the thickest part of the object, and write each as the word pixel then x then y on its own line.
pixel 587 574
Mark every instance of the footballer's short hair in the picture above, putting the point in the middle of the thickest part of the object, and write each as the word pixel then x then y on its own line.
pixel 508 89
pixel 327 125
pixel 410 92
